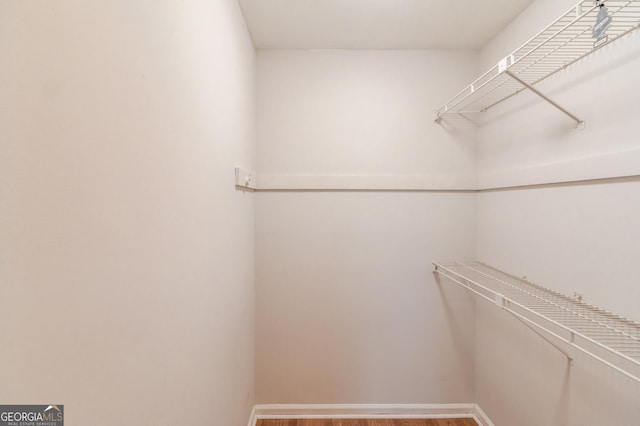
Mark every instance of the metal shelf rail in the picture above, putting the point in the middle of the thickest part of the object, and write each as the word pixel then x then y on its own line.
pixel 563 42
pixel 563 321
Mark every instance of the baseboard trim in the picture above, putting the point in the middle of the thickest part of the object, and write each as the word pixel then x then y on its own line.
pixel 481 417
pixel 373 411
pixel 252 417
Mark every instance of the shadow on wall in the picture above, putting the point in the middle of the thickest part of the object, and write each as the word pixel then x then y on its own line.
pixel 561 412
pixel 615 56
pixel 462 127
pixel 453 298
pixel 522 377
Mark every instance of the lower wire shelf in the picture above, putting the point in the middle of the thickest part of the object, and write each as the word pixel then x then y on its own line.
pixel 562 320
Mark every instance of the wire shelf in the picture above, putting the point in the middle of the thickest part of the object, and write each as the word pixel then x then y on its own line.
pixel 563 42
pixel 605 336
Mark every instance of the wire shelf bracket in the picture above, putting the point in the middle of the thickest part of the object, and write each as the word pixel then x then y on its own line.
pixel 563 321
pixel 562 43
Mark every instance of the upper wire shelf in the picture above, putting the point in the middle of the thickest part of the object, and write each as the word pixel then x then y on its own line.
pixel 565 41
pixel 607 337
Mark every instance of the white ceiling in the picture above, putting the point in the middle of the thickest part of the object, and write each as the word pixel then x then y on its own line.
pixel 378 24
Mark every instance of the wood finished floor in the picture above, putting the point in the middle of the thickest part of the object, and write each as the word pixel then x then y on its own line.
pixel 368 422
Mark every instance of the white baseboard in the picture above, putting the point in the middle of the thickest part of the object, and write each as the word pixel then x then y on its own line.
pixel 252 417
pixel 481 417
pixel 372 411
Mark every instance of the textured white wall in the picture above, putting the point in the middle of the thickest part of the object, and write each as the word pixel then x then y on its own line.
pixel 126 254
pixel 347 307
pixel 572 237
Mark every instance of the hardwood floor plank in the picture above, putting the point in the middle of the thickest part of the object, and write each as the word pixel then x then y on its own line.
pixel 320 422
pixel 277 422
pixel 380 422
pixel 354 422
pixel 409 422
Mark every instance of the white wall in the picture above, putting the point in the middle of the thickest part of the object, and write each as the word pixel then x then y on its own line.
pixel 126 254
pixel 348 310
pixel 601 89
pixel 324 114
pixel 571 237
pixel 347 307
pixel 580 238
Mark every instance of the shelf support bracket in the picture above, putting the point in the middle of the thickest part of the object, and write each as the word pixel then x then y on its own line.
pixel 484 281
pixel 579 122
pixel 543 337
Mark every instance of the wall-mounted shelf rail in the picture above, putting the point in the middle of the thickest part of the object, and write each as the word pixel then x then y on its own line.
pixel 564 321
pixel 565 41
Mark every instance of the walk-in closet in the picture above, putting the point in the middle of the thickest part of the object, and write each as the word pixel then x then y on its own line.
pixel 320 212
